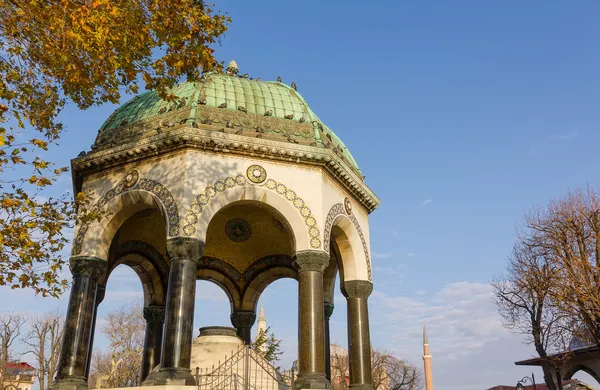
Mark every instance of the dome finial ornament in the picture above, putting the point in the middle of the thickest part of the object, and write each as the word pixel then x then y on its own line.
pixel 232 68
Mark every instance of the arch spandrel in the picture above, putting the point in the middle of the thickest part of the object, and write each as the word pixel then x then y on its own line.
pixel 129 196
pixel 296 212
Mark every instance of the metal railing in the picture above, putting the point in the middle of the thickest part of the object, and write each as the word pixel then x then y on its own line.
pixel 244 369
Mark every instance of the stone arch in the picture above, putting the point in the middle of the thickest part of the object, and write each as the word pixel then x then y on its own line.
pixel 581 367
pixel 349 237
pixel 255 287
pixel 129 196
pixel 148 263
pixel 223 275
pixel 285 201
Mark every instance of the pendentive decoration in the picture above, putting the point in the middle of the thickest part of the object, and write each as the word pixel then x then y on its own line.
pixel 130 183
pixel 348 206
pixel 256 174
pixel 131 178
pixel 238 230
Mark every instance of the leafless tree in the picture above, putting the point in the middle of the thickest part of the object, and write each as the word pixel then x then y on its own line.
pixel 11 325
pixel 388 371
pixel 525 301
pixel 43 341
pixel 121 365
pixel 567 231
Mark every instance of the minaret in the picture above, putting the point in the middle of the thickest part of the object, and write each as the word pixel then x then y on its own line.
pixel 261 325
pixel 427 361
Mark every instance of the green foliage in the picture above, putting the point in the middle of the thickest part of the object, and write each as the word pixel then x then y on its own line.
pixel 268 346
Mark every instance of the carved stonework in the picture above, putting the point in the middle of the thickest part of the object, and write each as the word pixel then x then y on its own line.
pixel 256 174
pixel 358 288
pixel 340 209
pixel 131 178
pixel 152 186
pixel 223 268
pixel 202 200
pixel 328 307
pixel 91 267
pixel 238 230
pixel 154 313
pixel 243 319
pixel 311 261
pixel 262 265
pixel 185 248
pixel 217 331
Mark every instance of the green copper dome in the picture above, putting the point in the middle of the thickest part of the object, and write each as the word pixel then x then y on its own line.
pixel 283 110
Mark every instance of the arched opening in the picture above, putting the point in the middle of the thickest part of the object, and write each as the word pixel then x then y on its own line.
pixel 584 374
pixel 212 306
pixel 279 300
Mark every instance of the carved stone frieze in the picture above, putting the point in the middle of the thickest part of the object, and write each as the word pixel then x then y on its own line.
pixel 328 307
pixel 310 260
pixel 358 288
pixel 202 200
pixel 87 266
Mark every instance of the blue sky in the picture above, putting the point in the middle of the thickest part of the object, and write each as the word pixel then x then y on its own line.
pixel 461 114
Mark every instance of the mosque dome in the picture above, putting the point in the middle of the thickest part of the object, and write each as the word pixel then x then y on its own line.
pixel 225 102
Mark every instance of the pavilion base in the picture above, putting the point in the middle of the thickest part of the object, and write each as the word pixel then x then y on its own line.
pixel 311 381
pixel 170 377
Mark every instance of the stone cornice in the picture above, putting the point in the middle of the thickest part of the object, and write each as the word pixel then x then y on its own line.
pixel 186 137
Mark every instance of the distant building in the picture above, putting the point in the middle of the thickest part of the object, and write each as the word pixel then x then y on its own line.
pixel 18 376
pixel 427 362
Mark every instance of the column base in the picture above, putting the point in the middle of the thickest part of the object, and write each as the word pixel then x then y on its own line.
pixel 73 383
pixel 361 387
pixel 170 376
pixel 311 381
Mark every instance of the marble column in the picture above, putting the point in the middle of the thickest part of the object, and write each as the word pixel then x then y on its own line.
pixel 73 363
pixel 328 311
pixel 243 321
pixel 311 339
pixel 359 342
pixel 184 253
pixel 100 292
pixel 155 317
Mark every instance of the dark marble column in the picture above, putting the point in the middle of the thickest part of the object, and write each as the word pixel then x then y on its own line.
pixel 359 341
pixel 100 292
pixel 73 363
pixel 155 317
pixel 243 321
pixel 184 253
pixel 328 311
pixel 311 339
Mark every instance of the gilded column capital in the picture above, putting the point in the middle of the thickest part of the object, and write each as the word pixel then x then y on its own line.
pixel 91 267
pixel 358 288
pixel 243 318
pixel 310 260
pixel 185 248
pixel 154 313
pixel 328 310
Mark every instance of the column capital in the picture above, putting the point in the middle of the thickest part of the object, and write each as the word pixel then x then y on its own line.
pixel 185 248
pixel 154 313
pixel 328 310
pixel 357 289
pixel 100 293
pixel 311 260
pixel 92 267
pixel 243 318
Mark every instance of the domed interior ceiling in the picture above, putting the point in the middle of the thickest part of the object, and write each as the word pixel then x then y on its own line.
pixel 243 233
pixel 227 103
